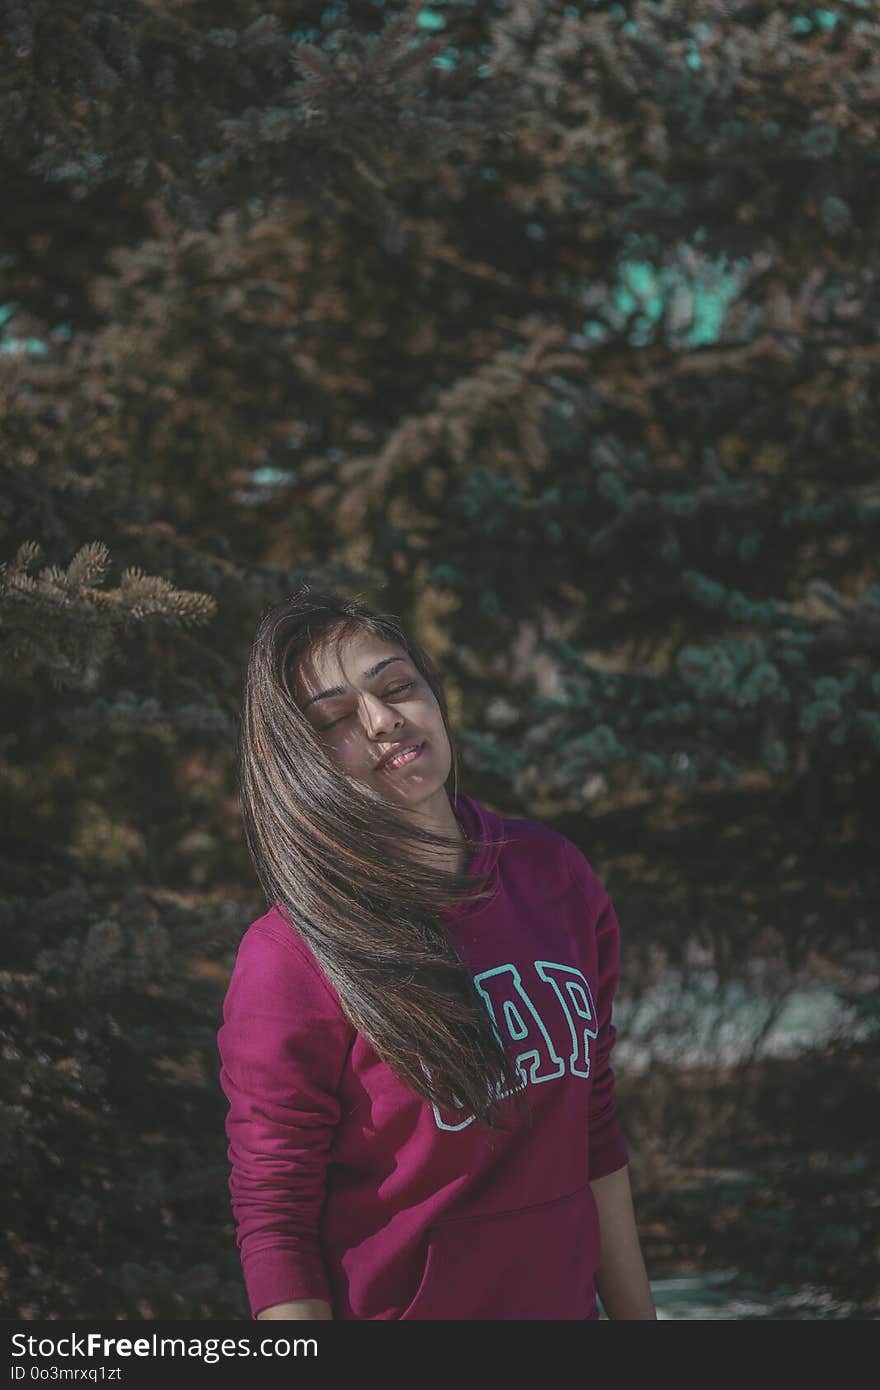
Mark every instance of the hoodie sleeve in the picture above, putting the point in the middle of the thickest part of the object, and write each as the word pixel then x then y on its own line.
pixel 283 1046
pixel 608 1148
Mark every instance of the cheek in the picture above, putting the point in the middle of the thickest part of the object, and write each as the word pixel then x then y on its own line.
pixel 339 744
pixel 429 712
pixel 436 728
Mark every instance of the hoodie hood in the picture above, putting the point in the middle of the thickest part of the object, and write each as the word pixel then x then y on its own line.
pixel 486 831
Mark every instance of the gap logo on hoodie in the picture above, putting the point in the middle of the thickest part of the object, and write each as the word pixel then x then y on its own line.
pixel 525 1012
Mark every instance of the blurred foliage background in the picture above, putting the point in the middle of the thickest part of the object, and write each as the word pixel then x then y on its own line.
pixel 553 329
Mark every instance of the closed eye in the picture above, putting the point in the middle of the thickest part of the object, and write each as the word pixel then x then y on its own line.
pixel 398 690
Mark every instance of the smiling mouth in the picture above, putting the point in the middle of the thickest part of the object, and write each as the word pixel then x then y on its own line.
pixel 403 759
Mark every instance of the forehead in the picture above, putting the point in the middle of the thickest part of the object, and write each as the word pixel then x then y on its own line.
pixel 344 661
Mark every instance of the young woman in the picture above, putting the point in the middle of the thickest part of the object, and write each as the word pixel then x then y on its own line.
pixel 417 1034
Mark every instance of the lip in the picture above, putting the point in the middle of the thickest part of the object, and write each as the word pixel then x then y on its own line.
pixel 393 752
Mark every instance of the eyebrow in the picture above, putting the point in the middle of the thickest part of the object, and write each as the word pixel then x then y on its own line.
pixel 366 675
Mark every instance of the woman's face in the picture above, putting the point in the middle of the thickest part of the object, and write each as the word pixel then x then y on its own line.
pixel 367 699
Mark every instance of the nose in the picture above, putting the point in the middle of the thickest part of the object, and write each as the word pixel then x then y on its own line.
pixel 378 717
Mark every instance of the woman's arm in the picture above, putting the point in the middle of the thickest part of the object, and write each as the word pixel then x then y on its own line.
pixel 307 1308
pixel 621 1278
pixel 283 1047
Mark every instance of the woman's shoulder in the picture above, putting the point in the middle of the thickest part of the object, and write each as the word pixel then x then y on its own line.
pixel 271 952
pixel 551 849
pixel 270 935
pixel 533 834
pixel 541 845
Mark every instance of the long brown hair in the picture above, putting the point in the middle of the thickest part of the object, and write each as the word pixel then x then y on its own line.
pixel 332 853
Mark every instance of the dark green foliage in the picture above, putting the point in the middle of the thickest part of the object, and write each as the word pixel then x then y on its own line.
pixel 781 1182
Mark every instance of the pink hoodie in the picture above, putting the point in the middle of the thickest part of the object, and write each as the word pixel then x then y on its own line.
pixel 347 1186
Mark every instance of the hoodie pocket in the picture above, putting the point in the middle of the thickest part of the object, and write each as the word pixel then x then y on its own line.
pixel 536 1262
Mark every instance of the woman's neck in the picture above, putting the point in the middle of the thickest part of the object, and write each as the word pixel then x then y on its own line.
pixel 441 817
